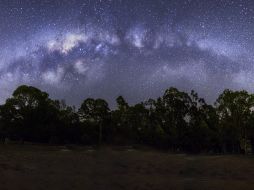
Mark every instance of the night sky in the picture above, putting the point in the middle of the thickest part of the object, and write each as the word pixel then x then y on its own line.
pixel 75 49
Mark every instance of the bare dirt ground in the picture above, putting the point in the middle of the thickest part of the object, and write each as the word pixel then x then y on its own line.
pixel 26 167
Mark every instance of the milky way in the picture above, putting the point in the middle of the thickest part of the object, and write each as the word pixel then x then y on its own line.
pixel 75 49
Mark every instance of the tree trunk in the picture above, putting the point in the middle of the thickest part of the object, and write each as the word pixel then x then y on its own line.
pixel 100 134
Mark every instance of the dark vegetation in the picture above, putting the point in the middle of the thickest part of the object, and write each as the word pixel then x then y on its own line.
pixel 177 121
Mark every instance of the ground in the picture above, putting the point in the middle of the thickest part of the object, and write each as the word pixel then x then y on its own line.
pixel 26 167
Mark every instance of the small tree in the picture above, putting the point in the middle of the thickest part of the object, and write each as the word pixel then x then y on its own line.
pixel 95 111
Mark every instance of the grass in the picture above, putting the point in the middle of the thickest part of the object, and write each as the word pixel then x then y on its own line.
pixel 25 167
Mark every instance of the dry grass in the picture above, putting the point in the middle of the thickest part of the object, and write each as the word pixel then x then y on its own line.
pixel 42 167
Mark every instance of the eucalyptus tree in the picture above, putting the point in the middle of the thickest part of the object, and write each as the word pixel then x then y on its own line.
pixel 235 109
pixel 29 113
pixel 95 111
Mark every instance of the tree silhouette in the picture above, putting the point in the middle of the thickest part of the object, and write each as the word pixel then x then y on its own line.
pixel 234 110
pixel 96 111
pixel 29 113
pixel 177 121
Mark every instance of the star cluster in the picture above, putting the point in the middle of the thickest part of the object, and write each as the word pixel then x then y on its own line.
pixel 76 49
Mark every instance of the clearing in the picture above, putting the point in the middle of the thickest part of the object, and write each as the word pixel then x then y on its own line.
pixel 26 167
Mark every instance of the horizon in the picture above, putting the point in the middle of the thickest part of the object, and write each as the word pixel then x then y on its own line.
pixel 114 106
pixel 127 94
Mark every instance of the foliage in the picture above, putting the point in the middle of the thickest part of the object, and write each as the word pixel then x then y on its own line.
pixel 177 121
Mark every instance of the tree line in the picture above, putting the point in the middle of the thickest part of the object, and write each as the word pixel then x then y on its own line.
pixel 176 121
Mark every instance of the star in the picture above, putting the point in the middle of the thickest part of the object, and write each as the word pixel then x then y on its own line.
pixel 133 48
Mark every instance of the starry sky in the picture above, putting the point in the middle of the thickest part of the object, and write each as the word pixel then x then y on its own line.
pixel 75 49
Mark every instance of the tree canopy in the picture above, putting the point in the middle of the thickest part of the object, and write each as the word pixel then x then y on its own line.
pixel 177 121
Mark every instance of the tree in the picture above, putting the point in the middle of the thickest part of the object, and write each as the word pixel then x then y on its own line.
pixel 173 109
pixel 177 120
pixel 234 110
pixel 95 111
pixel 29 113
pixel 122 105
pixel 202 126
pixel 120 122
pixel 67 129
